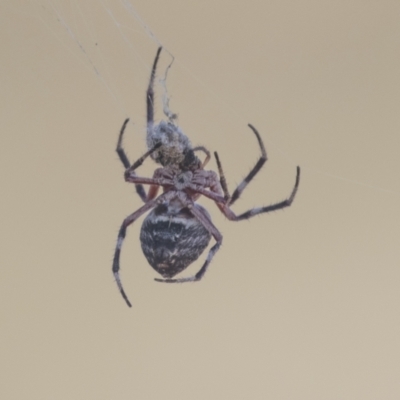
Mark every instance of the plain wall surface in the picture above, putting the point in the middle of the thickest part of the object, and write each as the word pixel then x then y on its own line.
pixel 298 304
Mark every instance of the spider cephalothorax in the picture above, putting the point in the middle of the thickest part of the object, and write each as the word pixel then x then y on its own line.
pixel 177 229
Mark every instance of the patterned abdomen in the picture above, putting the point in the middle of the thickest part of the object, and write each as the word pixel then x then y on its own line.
pixel 172 242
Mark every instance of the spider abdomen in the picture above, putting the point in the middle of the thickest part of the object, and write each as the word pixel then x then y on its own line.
pixel 171 242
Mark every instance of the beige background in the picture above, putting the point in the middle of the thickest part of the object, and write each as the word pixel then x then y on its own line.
pixel 299 304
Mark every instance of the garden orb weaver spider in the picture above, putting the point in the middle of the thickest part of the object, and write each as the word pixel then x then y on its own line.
pixel 177 230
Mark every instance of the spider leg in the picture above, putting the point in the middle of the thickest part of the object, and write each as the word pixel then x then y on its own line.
pixel 213 195
pixel 125 161
pixel 222 179
pixel 121 236
pixel 259 210
pixel 121 152
pixel 130 175
pixel 217 236
pixel 150 91
pixel 140 160
pixel 207 153
pixel 238 191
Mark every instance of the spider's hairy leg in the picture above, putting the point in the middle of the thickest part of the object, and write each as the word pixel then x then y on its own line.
pixel 150 91
pixel 125 161
pixel 261 161
pixel 120 151
pixel 202 217
pixel 206 152
pixel 140 160
pixel 222 179
pixel 206 183
pixel 121 236
pixel 212 195
pixel 259 210
pixel 130 175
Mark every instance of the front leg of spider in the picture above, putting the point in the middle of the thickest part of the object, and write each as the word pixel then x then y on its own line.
pixel 125 161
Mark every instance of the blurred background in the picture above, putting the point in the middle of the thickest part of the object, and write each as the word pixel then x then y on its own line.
pixel 298 304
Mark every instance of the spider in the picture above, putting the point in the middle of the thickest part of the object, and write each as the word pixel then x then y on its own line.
pixel 177 230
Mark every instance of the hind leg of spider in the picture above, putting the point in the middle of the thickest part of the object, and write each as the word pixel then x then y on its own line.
pixel 259 210
pixel 121 236
pixel 217 236
pixel 125 161
pixel 261 161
